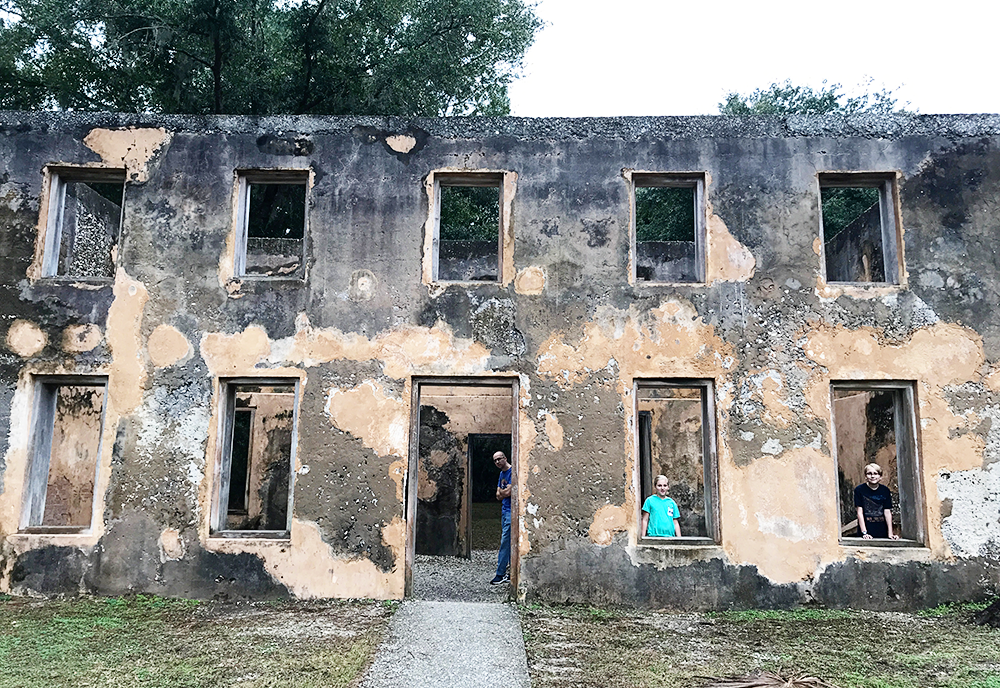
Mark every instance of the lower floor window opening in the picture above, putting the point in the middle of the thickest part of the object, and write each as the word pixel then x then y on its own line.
pixel 65 454
pixel 877 462
pixel 677 461
pixel 255 485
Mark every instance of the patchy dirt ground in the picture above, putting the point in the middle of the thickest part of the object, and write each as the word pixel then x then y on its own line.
pixel 154 642
pixel 581 647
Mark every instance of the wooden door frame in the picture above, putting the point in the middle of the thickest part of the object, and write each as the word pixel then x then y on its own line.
pixel 511 382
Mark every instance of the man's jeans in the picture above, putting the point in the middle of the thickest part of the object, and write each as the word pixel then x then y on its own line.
pixel 503 556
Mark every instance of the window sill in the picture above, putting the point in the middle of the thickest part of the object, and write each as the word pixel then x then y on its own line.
pixel 863 285
pixel 880 543
pixel 678 542
pixel 648 283
pixel 251 535
pixel 71 280
pixel 55 530
pixel 270 279
pixel 465 283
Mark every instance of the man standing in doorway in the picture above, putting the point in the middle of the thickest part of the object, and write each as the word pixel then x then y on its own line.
pixel 503 496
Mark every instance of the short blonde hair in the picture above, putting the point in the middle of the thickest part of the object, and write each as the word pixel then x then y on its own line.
pixel 873 467
pixel 658 479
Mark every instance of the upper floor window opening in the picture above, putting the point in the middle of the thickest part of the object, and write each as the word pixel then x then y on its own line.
pixel 272 219
pixel 859 227
pixel 468 221
pixel 668 227
pixel 83 227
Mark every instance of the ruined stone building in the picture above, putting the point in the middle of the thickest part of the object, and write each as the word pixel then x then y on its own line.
pixel 266 357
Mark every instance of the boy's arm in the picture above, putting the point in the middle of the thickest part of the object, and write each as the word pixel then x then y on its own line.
pixel 888 523
pixel 645 523
pixel 861 524
pixel 677 528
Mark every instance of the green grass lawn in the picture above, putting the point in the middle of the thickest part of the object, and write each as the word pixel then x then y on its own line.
pixel 850 649
pixel 153 642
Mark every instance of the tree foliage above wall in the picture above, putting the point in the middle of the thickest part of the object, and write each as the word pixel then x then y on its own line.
pixel 391 57
pixel 787 99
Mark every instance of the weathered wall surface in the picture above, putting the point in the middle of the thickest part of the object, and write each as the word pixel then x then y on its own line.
pixel 564 317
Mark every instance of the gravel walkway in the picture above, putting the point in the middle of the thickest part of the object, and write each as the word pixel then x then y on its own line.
pixel 454 579
pixel 457 630
pixel 453 645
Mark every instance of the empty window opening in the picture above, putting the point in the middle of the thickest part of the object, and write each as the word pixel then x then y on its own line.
pixel 669 228
pixel 69 418
pixel 859 229
pixel 875 424
pixel 84 223
pixel 468 228
pixel 456 516
pixel 255 483
pixel 273 225
pixel 676 439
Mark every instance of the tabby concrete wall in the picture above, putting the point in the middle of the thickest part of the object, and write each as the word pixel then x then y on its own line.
pixel 565 320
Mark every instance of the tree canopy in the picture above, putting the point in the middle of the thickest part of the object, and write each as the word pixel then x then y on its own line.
pixel 386 57
pixel 787 98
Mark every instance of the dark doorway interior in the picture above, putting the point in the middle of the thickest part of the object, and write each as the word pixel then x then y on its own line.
pixel 484 509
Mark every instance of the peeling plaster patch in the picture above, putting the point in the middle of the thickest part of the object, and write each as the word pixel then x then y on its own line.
pixel 973 528
pixel 494 324
pixel 426 488
pixel 772 447
pixel 771 385
pixel 310 569
pixel 133 148
pixel 786 528
pixel 128 370
pixel 404 351
pixel 727 259
pixel 930 279
pixel 26 338
pixel 608 520
pixel 671 341
pixel 171 545
pixel 553 431
pixel 401 143
pixel 364 284
pixel 942 354
pixel 530 281
pixel 233 354
pixel 368 413
pixel 81 338
pixel 992 380
pixel 526 438
pixel 167 345
pixel 813 527
pixel 397 473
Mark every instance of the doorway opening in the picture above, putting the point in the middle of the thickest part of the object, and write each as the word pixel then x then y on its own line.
pixel 453 516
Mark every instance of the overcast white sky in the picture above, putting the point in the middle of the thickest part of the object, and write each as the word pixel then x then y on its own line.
pixel 648 57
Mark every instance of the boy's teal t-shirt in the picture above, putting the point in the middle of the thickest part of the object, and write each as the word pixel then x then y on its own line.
pixel 662 512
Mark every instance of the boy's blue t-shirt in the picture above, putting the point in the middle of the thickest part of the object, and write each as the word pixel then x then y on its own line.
pixel 504 481
pixel 662 512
